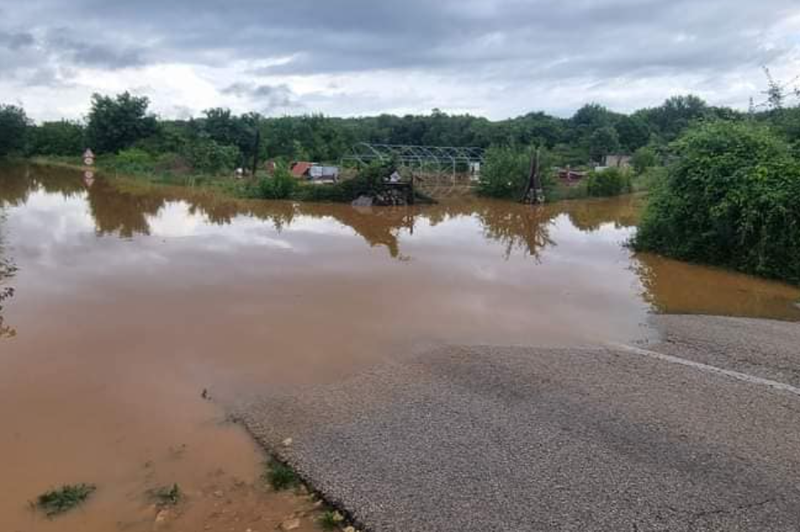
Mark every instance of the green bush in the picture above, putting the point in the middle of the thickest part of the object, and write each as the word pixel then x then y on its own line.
pixel 209 157
pixel 133 160
pixel 649 179
pixel 608 182
pixel 732 199
pixel 505 173
pixel 281 185
pixel 61 138
pixel 643 159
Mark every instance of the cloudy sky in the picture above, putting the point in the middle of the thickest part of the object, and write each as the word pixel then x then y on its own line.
pixel 496 58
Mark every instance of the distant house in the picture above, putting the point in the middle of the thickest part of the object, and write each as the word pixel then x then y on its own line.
pixel 315 172
pixel 617 161
pixel 569 175
pixel 319 172
pixel 300 169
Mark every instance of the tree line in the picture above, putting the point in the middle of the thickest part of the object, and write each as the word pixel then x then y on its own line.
pixel 219 140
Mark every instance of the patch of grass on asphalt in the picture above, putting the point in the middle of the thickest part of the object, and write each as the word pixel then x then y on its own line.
pixel 280 476
pixel 64 499
pixel 167 495
pixel 331 520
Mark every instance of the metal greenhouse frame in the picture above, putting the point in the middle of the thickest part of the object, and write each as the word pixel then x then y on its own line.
pixel 426 159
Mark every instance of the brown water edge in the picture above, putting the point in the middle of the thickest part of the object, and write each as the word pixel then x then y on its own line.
pixel 129 302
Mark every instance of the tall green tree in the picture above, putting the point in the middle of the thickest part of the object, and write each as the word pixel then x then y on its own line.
pixel 604 141
pixel 671 118
pixel 13 128
pixel 117 123
pixel 633 133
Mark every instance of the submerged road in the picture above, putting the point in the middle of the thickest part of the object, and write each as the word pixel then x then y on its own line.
pixel 699 432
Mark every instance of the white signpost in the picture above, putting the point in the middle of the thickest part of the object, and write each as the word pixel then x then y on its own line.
pixel 88 160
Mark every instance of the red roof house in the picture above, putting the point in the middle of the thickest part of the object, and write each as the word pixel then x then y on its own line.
pixel 301 168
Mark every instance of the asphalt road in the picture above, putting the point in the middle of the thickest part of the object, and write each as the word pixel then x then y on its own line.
pixel 513 439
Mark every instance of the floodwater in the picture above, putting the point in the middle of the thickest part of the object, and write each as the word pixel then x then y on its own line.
pixel 128 302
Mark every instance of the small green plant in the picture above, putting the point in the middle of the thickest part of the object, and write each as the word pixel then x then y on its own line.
pixel 167 495
pixel 331 520
pixel 280 476
pixel 64 499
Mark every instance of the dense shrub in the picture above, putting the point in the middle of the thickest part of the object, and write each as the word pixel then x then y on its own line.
pixel 608 182
pixel 504 173
pixel 644 158
pixel 133 160
pixel 732 198
pixel 209 157
pixel 62 138
pixel 281 185
pixel 650 178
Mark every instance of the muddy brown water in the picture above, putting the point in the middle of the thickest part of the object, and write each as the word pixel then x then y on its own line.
pixel 128 302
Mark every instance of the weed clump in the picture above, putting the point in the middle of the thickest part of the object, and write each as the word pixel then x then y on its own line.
pixel 331 520
pixel 280 476
pixel 167 495
pixel 64 499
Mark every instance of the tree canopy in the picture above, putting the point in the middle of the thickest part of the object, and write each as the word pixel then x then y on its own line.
pixel 13 128
pixel 117 123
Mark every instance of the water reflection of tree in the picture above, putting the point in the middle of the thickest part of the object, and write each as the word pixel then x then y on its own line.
pixel 590 215
pixel 115 211
pixel 58 181
pixel 518 227
pixel 126 212
pixel 15 185
pixel 378 226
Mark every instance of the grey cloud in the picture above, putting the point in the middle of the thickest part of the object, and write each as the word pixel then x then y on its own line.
pixel 363 35
pixel 16 40
pixel 267 96
pixel 511 43
pixel 95 54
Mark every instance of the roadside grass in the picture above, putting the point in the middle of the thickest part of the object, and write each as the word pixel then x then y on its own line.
pixel 166 495
pixel 280 476
pixel 64 499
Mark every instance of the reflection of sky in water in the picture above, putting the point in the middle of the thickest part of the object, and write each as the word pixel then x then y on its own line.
pixel 54 231
pixel 505 267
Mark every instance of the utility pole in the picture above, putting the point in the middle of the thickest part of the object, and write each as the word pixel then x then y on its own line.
pixel 534 192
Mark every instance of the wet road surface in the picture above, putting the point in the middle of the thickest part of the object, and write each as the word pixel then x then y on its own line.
pixel 499 438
